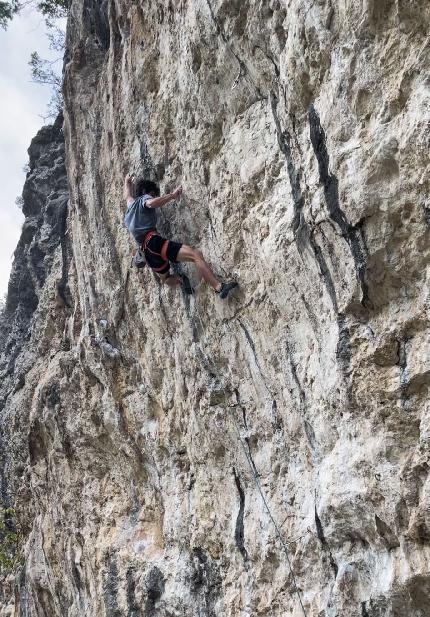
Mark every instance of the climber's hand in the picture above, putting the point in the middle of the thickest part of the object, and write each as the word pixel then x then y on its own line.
pixel 128 189
pixel 177 192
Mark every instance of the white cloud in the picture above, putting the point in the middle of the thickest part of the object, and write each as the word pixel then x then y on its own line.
pixel 21 103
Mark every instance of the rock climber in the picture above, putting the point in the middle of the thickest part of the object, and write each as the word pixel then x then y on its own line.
pixel 141 221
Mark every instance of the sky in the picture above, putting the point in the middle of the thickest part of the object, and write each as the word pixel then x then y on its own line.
pixel 21 105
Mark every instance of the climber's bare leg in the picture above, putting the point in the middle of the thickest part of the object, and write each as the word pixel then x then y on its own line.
pixel 170 279
pixel 186 253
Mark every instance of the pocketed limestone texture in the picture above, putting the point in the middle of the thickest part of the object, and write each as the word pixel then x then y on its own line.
pixel 150 424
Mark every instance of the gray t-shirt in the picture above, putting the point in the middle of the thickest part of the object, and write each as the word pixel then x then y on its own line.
pixel 139 219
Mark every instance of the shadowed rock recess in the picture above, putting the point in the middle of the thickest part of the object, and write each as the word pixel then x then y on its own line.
pixel 263 456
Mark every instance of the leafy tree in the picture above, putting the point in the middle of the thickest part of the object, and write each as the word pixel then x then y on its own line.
pixel 7 11
pixel 53 9
pixel 50 9
pixel 42 70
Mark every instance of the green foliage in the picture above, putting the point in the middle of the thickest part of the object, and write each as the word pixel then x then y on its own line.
pixel 53 8
pixel 43 73
pixel 50 9
pixel 56 37
pixel 7 11
pixel 9 541
pixel 42 70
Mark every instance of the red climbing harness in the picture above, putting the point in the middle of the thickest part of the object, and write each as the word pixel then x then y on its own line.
pixel 162 253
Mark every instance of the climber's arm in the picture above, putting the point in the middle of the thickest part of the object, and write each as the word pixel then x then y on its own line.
pixel 158 202
pixel 128 190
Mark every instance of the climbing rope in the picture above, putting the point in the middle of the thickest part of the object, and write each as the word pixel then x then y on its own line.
pixel 261 492
pixel 266 505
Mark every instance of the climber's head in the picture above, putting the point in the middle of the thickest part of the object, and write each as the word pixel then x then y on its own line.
pixel 147 187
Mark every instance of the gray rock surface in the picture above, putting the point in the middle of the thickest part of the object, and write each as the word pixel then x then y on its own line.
pixel 268 455
pixel 44 204
pixel 36 308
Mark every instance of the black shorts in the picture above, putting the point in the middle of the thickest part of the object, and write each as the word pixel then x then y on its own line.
pixel 153 254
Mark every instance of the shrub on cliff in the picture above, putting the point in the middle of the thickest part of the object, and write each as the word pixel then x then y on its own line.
pixel 9 544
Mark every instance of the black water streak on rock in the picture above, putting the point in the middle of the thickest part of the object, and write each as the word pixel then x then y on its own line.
pixel 343 348
pixel 427 215
pixel 364 611
pixel 239 532
pixel 236 391
pixel 388 536
pixel 76 576
pixel 96 20
pixel 312 317
pixel 254 353
pixel 320 531
pixel 323 267
pixel 310 435
pixel 305 237
pixel 251 343
pixel 62 286
pixel 79 583
pixel 246 438
pixel 270 58
pixel 110 587
pixel 206 582
pixel 343 353
pixel 324 544
pixel 60 600
pixel 331 193
pixel 284 142
pixel 117 30
pixel 251 460
pixel 293 369
pixel 307 426
pixel 303 234
pixel 133 607
pixel 155 586
pixel 402 363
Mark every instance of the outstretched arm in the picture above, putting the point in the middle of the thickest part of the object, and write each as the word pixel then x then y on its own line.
pixel 128 190
pixel 158 202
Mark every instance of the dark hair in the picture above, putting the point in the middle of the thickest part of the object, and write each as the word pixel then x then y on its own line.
pixel 147 187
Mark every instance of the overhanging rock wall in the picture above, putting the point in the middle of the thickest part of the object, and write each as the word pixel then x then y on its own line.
pixel 299 131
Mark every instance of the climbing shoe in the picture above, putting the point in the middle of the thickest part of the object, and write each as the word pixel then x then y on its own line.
pixel 186 285
pixel 226 288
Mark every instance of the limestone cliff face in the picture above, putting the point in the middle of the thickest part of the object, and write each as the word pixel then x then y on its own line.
pixel 268 455
pixel 32 323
